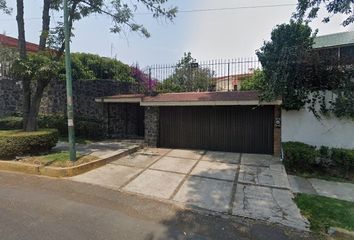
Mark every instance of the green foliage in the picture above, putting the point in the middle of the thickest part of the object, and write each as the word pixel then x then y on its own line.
pixel 10 123
pixel 121 15
pixel 85 128
pixel 310 9
pixel 38 68
pixel 343 158
pixel 187 78
pixel 299 156
pixel 324 212
pixel 332 162
pixel 7 57
pixel 17 143
pixel 282 60
pixel 302 75
pixel 255 82
pixel 91 66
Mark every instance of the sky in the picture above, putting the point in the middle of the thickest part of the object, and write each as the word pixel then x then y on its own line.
pixel 221 34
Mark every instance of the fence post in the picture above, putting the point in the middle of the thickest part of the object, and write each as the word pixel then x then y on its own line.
pixel 150 83
pixel 228 76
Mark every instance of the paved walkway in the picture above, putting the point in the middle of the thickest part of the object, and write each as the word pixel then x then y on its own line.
pixel 101 149
pixel 339 190
pixel 247 185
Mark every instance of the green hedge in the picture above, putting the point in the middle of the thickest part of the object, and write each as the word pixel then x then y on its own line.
pixel 16 142
pixel 85 128
pixel 301 157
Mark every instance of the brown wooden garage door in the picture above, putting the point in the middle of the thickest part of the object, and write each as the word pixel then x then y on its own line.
pixel 247 129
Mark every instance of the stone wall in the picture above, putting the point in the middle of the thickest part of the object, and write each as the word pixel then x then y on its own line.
pixel 152 119
pixel 124 120
pixel 54 98
pixel 10 97
pixel 84 92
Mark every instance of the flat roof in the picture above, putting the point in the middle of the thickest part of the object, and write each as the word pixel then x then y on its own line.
pixel 128 98
pixel 192 99
pixel 334 40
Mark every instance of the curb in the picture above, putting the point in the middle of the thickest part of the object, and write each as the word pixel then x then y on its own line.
pixel 69 171
pixel 339 233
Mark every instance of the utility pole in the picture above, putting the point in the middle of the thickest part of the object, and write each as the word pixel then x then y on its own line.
pixel 69 85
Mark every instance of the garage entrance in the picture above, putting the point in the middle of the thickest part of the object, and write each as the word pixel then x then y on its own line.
pixel 247 129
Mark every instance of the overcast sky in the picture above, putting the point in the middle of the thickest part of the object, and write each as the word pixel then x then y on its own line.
pixel 207 35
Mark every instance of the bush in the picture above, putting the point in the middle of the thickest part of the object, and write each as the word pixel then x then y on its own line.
pixel 325 161
pixel 299 156
pixel 17 143
pixel 85 128
pixel 10 123
pixel 343 159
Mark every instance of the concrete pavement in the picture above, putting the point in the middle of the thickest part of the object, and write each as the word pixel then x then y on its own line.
pixel 247 185
pixel 34 207
pixel 339 190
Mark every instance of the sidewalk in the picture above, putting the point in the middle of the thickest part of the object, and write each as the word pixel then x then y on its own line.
pixel 338 190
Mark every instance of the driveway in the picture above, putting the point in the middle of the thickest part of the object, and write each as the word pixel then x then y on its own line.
pixel 246 185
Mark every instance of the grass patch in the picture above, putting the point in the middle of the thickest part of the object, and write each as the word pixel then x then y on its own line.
pixel 59 159
pixel 324 212
pixel 77 140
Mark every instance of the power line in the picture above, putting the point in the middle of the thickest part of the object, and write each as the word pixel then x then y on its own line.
pixel 196 10
pixel 229 8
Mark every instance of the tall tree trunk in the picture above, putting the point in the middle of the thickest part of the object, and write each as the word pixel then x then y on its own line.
pixel 45 25
pixel 32 121
pixel 21 30
pixel 26 83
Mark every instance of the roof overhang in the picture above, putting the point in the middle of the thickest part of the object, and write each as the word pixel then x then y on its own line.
pixel 211 103
pixel 192 99
pixel 126 98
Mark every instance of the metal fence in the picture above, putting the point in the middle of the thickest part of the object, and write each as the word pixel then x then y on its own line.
pixel 212 75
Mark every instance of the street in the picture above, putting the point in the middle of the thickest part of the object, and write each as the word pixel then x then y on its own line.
pixel 35 208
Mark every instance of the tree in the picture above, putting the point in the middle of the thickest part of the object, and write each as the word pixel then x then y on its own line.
pixel 254 82
pixel 302 75
pixel 283 60
pixel 187 77
pixel 309 9
pixel 122 15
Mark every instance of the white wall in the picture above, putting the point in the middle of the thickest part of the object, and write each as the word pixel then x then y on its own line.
pixel 302 126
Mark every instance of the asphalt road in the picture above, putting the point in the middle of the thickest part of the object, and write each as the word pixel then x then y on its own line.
pixel 36 208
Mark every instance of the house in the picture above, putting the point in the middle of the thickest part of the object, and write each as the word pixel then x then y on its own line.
pixel 12 43
pixel 338 47
pixel 302 125
pixel 221 121
pixel 232 82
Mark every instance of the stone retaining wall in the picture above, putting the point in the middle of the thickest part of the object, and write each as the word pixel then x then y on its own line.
pixel 54 97
pixel 152 119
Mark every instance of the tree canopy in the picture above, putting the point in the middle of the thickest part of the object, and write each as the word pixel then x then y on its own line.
pixel 309 9
pixel 302 75
pixel 187 78
pixel 122 16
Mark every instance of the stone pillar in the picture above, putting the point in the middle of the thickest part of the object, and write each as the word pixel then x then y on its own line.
pixel 152 119
pixel 277 131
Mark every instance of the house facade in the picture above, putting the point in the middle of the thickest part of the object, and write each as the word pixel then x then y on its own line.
pixel 219 121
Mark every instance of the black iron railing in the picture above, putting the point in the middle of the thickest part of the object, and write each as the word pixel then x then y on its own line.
pixel 213 75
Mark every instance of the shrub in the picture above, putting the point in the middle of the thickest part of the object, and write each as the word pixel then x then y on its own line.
pixel 16 143
pixel 10 123
pixel 343 159
pixel 84 127
pixel 299 156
